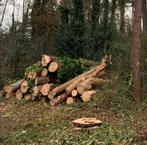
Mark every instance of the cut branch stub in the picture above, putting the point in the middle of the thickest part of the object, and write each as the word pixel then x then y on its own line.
pixel 36 90
pixel 74 93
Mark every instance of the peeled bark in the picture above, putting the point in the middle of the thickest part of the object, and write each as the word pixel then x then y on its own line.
pixel 12 88
pixel 70 100
pixel 44 72
pixel 87 95
pixel 41 80
pixel 53 67
pixel 24 86
pixel 19 95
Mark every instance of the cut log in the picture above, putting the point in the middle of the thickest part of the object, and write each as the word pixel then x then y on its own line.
pixel 46 88
pixel 99 68
pixel 32 75
pixel 41 80
pixel 19 95
pixel 27 97
pixel 44 72
pixel 53 67
pixel 24 86
pixel 45 60
pixel 71 87
pixel 84 85
pixel 36 90
pixel 70 100
pixel 2 93
pixel 12 88
pixel 61 98
pixel 8 95
pixel 87 122
pixel 87 95
pixel 74 93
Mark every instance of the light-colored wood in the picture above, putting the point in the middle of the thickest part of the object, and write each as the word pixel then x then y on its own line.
pixel 41 80
pixel 31 75
pixel 71 87
pixel 27 97
pixel 19 95
pixel 87 122
pixel 12 88
pixel 59 99
pixel 46 88
pixel 70 100
pixel 36 90
pixel 45 60
pixel 87 95
pixel 24 86
pixel 44 72
pixel 53 67
pixel 74 93
pixel 106 60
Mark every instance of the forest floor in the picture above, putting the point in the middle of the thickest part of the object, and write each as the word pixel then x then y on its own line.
pixel 35 123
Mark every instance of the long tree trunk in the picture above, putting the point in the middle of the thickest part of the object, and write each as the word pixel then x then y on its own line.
pixel 122 15
pixel 144 11
pixel 136 49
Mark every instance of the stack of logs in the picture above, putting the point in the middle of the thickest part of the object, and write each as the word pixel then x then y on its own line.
pixel 43 84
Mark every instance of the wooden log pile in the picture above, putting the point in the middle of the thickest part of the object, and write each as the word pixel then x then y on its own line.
pixel 40 81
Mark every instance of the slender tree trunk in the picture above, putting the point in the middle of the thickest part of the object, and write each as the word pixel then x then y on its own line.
pixel 113 9
pixel 3 13
pixel 144 11
pixel 136 50
pixel 122 15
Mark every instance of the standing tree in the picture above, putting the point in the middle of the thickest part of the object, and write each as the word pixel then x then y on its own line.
pixel 136 50
pixel 122 15
pixel 77 29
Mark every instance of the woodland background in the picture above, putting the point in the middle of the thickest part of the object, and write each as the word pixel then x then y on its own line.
pixel 75 28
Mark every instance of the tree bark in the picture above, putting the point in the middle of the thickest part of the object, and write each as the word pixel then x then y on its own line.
pixel 136 50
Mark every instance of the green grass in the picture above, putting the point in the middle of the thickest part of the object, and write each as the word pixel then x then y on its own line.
pixel 36 123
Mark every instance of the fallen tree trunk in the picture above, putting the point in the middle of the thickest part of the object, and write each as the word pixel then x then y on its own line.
pixel 24 86
pixel 41 80
pixel 12 88
pixel 19 95
pixel 91 73
pixel 87 95
pixel 61 98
